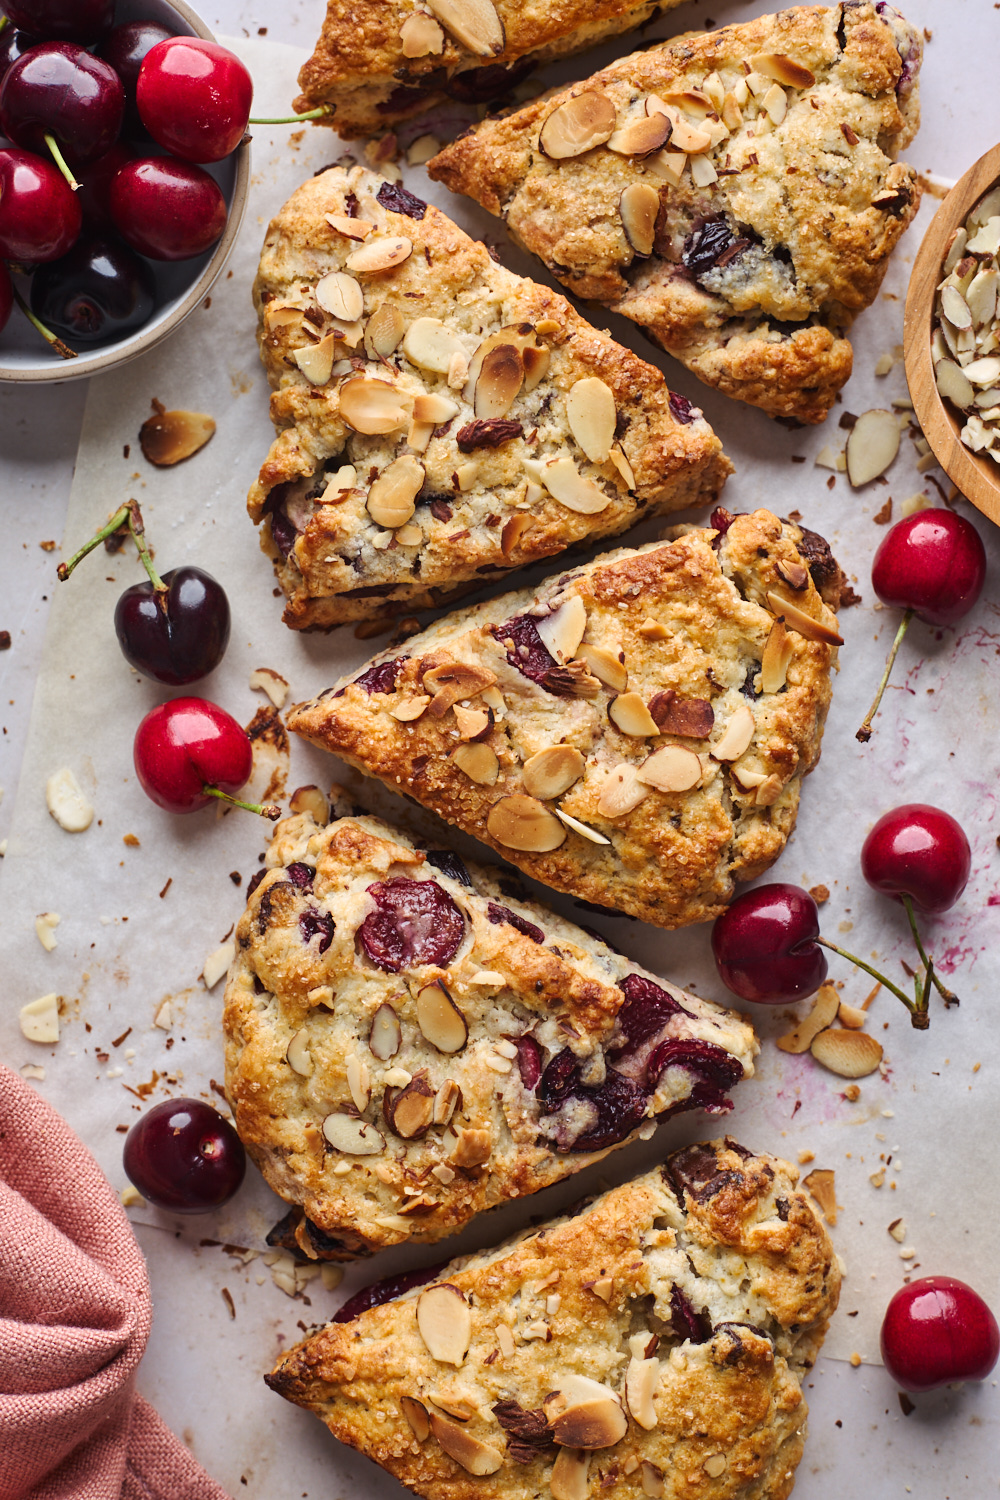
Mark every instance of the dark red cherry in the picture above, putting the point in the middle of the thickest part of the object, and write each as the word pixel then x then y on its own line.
pixel 182 1155
pixel 414 922
pixel 95 187
pixel 176 636
pixel 185 748
pixel 936 1331
pixel 59 89
pixel 39 214
pixel 125 50
pixel 99 290
pixel 167 209
pixel 194 97
pixel 13 44
pixel 84 21
pixel 934 563
pixel 765 945
pixel 918 851
pixel 6 296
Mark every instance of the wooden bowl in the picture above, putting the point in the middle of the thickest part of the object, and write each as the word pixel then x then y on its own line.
pixel 976 474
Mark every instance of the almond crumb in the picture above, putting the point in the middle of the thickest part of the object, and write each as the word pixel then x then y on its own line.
pixel 855 1360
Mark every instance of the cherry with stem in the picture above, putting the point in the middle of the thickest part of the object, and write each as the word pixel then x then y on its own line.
pixel 63 350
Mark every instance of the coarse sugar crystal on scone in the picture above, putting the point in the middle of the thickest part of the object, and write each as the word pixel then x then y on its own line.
pixel 441 420
pixel 410 1041
pixel 653 1343
pixel 634 731
pixel 735 192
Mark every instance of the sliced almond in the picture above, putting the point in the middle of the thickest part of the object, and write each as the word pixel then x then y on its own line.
pixel 562 631
pixel 445 1324
pixel 703 173
pixel 642 135
pixel 525 824
pixel 583 122
pixel 621 463
pixel 668 166
pixel 583 829
pixel 769 790
pixel 416 1415
pixel 512 533
pixel 168 437
pixel 638 208
pixel 383 331
pixel 684 135
pixel 341 296
pixel 474 23
pixel 631 715
pixel 265 680
pixel 737 734
pixel 551 772
pixel 820 1184
pixel 39 1020
pixel 566 484
pixel 849 1054
pixel 373 407
pixel 592 416
pixel 642 1381
pixel 421 36
pixel 298 1056
pixel 691 718
pixel 478 762
pixel 851 1017
pixel 568 1480
pixel 784 68
pixel 954 384
pixel 392 498
pixel 591 1424
pixel 446 1101
pixel 672 769
pixel 872 444
pixel 359 1082
pixel 386 1036
pixel 410 708
pixel 470 1452
pixel 652 1481
pixel 472 722
pixel 453 681
pixel 409 1113
pixel 775 102
pixel 778 652
pixel 796 619
pixel 748 778
pixel 822 1014
pixel 316 360
pixel 381 253
pixel 536 363
pixel 338 487
pixel 432 345
pixel 605 666
pixel 353 1137
pixel 622 791
pixel 501 375
pixel 434 409
pixel 955 308
pixel 472 1147
pixel 440 1019
pixel 406 536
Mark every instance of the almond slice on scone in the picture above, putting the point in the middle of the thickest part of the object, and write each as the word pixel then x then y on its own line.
pixel 440 420
pixel 640 725
pixel 742 205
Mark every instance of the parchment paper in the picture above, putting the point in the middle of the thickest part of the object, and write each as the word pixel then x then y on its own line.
pixel 127 940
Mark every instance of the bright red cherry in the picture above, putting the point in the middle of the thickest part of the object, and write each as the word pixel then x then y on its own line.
pixel 6 296
pixel 194 98
pixel 182 1155
pixel 40 217
pixel 189 750
pixel 938 1330
pixel 83 21
pixel 920 852
pixel 167 209
pixel 765 946
pixel 59 91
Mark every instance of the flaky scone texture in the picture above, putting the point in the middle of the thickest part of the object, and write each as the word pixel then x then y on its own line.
pixel 670 1325
pixel 773 199
pixel 633 732
pixel 430 438
pixel 379 62
pixel 409 1042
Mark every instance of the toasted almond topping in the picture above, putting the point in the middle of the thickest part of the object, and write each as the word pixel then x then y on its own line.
pixel 822 1014
pixel 691 718
pixel 621 463
pixel 564 481
pixel 748 778
pixel 445 1324
pixel 39 1020
pixel 795 574
pixel 820 1184
pixel 769 790
pixel 605 665
pixel 691 101
pixel 470 1452
pixel 582 829
pixel 474 23
pixel 732 115
pixel 316 360
pixel 501 375
pixel 598 1423
pixel 652 630
pixel 684 136
pixel 849 1054
pixel 778 652
pixel 551 772
pixel 353 1137
pixel 536 363
pixel 471 721
pixel 562 631
pixel 784 68
pixel 434 409
pixel 454 681
pixel 281 317
pixel 383 331
pixel 396 1078
pixel 703 173
pixel 632 716
pixel 386 1035
pixel 341 296
pixel 359 1082
pixel 630 1465
pixel 642 135
pixel 512 533
pixel 638 208
pixel 622 791
pixel 421 35
pixel 603 1288
pixel 446 1101
pixel 380 254
pixel 298 1056
pixel 583 122
pixel 409 536
pixel 672 769
pixel 472 1147
pixel 737 734
pixel 715 1465
pixel 416 1415
pixel 796 619
pixel 373 407
pixel 410 708
pixel 432 345
pixel 591 413
pixel 668 166
pixel 392 498
pixel 872 444
pixel 525 824
pixel 410 1112
pixel 775 102
pixel 652 1481
pixel 168 437
pixel 642 1381
pixel 479 762
pixel 351 229
pixel 569 1475
pixel 440 1019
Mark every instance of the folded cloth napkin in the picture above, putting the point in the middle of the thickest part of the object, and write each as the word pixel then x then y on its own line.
pixel 75 1313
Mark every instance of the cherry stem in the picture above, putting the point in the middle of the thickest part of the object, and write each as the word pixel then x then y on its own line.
pixel 63 350
pixel 918 1011
pixel 4 21
pixel 138 530
pixel 314 114
pixel 60 161
pixel 864 734
pixel 269 810
pixel 948 996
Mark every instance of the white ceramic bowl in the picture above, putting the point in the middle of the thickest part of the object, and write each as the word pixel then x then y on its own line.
pixel 180 285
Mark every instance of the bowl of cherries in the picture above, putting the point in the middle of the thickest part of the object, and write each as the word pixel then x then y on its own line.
pixel 124 175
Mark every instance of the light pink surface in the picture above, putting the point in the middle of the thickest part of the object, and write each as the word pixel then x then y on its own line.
pixel 75 1314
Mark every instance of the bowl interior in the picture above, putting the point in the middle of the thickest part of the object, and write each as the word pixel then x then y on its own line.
pixel 180 285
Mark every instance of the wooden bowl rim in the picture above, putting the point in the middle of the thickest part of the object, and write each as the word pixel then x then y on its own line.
pixel 977 476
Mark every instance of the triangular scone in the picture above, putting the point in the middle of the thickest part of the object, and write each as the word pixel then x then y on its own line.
pixel 409 1042
pixel 655 1344
pixel 733 191
pixel 379 62
pixel 634 731
pixel 440 419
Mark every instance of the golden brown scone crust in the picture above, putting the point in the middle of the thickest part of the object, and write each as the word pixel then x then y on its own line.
pixel 480 511
pixel 807 210
pixel 360 68
pixel 690 617
pixel 518 971
pixel 717 1228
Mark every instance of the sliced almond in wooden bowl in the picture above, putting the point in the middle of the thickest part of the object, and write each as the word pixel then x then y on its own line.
pixel 445 1323
pixel 583 122
pixel 525 824
pixel 440 1019
pixel 849 1054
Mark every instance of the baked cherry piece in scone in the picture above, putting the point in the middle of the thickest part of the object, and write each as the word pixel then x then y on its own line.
pixel 735 192
pixel 410 1042
pixel 379 62
pixel 656 1344
pixel 441 420
pixel 633 732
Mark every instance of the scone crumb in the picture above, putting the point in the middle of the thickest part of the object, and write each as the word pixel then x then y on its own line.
pixel 877 1179
pixel 806 1156
pixel 820 1183
pixel 855 1360
pixel 819 893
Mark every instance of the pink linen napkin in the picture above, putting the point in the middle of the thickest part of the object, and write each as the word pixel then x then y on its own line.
pixel 75 1314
